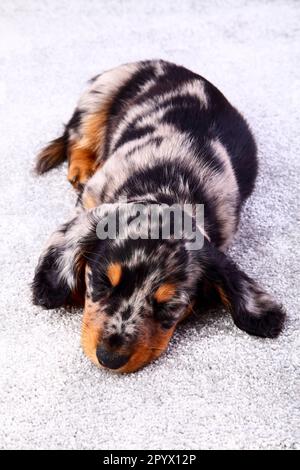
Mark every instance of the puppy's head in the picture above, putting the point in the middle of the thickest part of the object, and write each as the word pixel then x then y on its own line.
pixel 137 290
pixel 136 293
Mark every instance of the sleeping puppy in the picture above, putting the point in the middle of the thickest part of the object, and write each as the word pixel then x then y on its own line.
pixel 154 134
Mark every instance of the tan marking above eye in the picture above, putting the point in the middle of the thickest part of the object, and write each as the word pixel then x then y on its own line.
pixel 165 292
pixel 114 273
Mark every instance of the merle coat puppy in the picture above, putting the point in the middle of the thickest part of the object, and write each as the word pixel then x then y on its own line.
pixel 156 133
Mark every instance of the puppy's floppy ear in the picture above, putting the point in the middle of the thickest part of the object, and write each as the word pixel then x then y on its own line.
pixel 58 278
pixel 253 310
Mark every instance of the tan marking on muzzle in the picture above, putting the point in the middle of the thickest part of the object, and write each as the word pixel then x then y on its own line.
pixel 91 331
pixel 147 350
pixel 152 342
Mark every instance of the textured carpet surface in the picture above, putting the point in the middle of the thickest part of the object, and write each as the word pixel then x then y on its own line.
pixel 216 387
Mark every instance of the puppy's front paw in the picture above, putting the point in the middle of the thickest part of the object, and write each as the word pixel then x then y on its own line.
pixel 48 291
pixel 272 322
pixel 259 314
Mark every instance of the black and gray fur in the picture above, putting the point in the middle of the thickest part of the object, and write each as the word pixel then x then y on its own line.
pixel 171 137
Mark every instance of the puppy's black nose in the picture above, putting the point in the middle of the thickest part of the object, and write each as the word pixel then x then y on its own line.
pixel 110 359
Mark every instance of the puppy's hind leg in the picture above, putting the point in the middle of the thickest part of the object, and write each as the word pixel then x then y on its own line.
pixel 83 142
pixel 79 144
pixel 86 146
pixel 88 138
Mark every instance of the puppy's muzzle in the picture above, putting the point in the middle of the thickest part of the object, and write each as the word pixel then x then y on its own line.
pixel 110 359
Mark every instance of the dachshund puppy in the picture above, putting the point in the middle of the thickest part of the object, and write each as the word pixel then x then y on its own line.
pixel 155 134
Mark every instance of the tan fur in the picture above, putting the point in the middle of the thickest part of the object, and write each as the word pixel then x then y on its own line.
pixel 114 273
pixel 149 347
pixel 92 325
pixel 148 350
pixel 88 201
pixel 223 297
pixel 81 166
pixel 165 292
pixel 85 152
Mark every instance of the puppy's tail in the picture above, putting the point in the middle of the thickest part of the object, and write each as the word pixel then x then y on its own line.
pixel 52 155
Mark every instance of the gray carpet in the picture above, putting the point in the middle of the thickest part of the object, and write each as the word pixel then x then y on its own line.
pixel 216 387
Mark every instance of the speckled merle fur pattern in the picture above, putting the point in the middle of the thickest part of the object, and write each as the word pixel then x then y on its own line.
pixel 170 137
